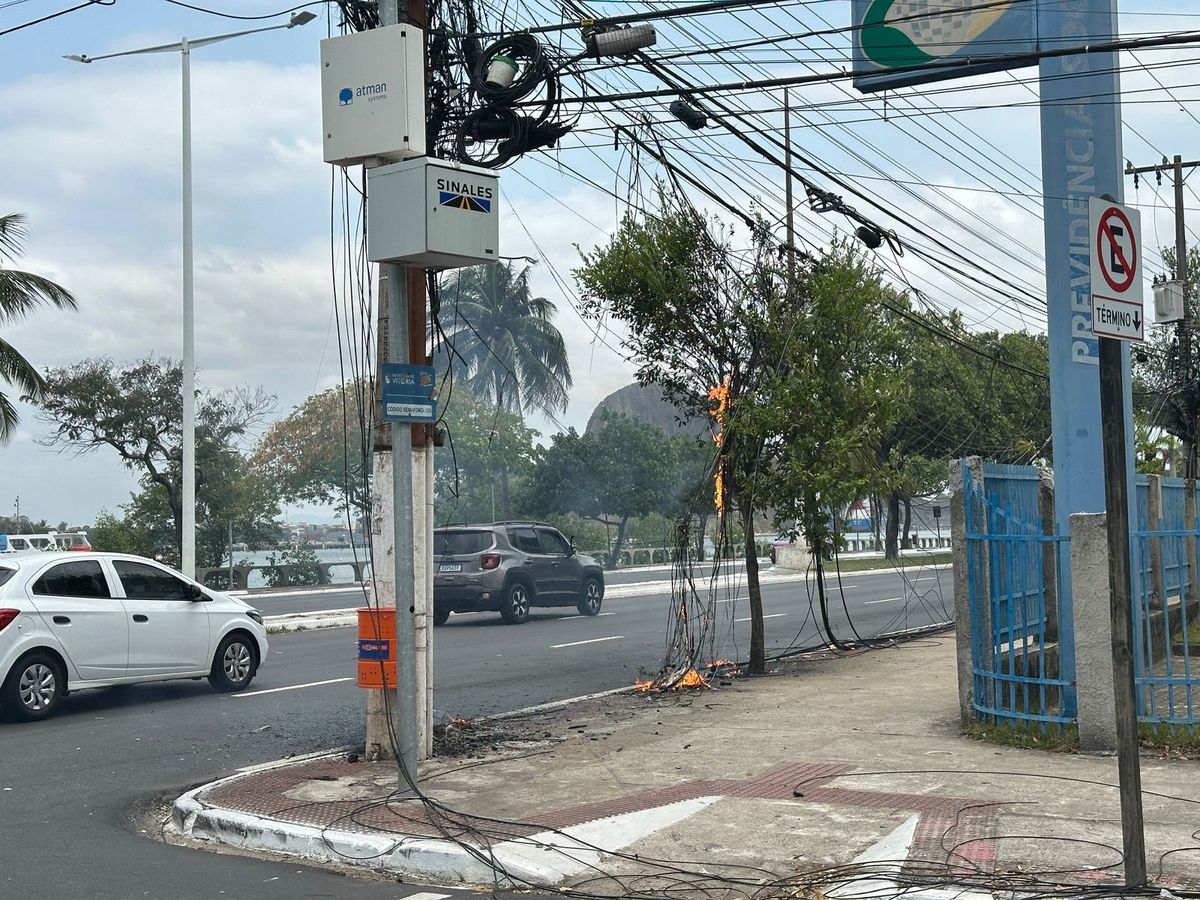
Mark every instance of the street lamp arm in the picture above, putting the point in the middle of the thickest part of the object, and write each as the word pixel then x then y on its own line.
pixel 297 19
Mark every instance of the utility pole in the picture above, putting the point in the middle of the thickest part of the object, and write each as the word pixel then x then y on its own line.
pixel 398 719
pixel 1183 337
pixel 787 183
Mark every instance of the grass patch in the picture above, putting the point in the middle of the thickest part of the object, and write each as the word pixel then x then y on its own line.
pixel 1180 740
pixel 1054 739
pixel 904 562
pixel 1192 637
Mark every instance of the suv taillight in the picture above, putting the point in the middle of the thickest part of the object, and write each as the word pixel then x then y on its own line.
pixel 490 561
pixel 6 616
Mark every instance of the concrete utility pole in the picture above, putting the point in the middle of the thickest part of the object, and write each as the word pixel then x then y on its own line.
pixel 788 199
pixel 403 516
pixel 1183 337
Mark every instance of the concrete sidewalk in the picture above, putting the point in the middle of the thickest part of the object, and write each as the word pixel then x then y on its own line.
pixel 846 774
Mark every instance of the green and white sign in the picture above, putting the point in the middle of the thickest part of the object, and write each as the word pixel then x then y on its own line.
pixel 903 42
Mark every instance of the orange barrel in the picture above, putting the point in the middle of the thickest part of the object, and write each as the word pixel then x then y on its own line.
pixel 377 648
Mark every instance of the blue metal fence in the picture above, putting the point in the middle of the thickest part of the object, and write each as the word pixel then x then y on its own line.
pixel 1165 668
pixel 1017 581
pixel 1023 673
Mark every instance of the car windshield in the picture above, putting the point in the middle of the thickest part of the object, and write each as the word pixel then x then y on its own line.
pixel 459 542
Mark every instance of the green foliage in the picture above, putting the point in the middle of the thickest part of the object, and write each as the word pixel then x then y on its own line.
pixel 623 469
pixel 484 445
pixel 506 348
pixel 1155 451
pixel 1164 395
pixel 955 399
pixel 20 293
pixel 112 534
pixel 315 454
pixel 303 558
pixel 821 410
pixel 137 411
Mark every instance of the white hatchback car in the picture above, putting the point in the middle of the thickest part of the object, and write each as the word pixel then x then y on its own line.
pixel 73 620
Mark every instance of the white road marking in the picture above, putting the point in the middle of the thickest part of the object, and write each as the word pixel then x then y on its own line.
pixel 888 600
pixel 596 616
pixel 615 637
pixel 425 895
pixel 293 687
pixel 771 616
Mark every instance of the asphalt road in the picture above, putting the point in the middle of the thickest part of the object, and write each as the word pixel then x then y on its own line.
pixel 278 602
pixel 70 787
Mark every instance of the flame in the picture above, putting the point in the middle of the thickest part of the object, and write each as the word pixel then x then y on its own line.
pixel 644 685
pixel 454 721
pixel 691 679
pixel 720 663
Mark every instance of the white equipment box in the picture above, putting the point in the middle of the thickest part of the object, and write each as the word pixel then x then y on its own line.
pixel 373 95
pixel 432 213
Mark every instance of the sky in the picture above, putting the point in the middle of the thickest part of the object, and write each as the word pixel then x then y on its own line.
pixel 91 155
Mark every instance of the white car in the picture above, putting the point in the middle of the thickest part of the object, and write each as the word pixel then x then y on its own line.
pixel 75 619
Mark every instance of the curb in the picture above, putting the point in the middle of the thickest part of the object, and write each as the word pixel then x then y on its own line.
pixel 434 860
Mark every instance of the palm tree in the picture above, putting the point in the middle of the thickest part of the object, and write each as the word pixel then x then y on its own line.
pixel 500 343
pixel 501 340
pixel 20 292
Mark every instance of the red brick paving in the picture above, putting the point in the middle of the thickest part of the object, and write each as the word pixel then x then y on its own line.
pixel 948 823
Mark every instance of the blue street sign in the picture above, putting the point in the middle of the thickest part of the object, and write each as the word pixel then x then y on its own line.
pixel 408 393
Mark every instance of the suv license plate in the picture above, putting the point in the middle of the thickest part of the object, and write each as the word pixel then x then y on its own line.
pixel 450 567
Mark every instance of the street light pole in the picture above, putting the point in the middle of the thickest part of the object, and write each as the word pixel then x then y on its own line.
pixel 187 562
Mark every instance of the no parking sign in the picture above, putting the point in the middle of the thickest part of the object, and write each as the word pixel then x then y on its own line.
pixel 1116 245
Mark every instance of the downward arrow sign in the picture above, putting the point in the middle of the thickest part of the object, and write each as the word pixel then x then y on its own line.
pixel 1137 321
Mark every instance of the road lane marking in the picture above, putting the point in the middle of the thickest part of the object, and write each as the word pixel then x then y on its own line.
pixel 771 616
pixel 425 895
pixel 293 687
pixel 888 600
pixel 596 616
pixel 615 637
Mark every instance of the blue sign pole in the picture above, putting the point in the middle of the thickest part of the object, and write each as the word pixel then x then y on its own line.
pixel 1081 158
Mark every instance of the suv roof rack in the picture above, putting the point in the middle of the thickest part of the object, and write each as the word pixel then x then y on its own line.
pixel 523 522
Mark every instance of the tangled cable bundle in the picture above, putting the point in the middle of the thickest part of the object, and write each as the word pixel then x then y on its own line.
pixel 507 72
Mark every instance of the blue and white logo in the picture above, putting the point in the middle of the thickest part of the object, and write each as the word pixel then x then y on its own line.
pixel 345 96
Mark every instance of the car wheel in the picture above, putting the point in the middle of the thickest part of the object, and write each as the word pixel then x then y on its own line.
pixel 234 664
pixel 440 615
pixel 591 598
pixel 516 604
pixel 34 687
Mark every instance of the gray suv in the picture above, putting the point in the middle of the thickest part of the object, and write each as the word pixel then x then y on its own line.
pixel 507 567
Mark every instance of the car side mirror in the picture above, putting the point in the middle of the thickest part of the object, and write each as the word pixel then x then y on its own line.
pixel 193 593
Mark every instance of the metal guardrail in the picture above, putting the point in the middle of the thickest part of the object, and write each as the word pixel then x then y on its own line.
pixel 284 575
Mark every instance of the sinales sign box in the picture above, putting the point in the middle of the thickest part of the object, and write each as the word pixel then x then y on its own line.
pixel 433 213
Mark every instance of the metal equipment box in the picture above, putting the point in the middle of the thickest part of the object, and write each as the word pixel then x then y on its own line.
pixel 432 213
pixel 373 95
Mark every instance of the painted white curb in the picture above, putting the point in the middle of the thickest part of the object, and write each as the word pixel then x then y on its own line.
pixel 544 859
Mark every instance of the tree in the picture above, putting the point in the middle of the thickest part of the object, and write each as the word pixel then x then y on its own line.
pixel 716 332
pixel 137 410
pixel 960 393
pixel 621 470
pixel 20 293
pixel 482 443
pixel 315 454
pixel 499 343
